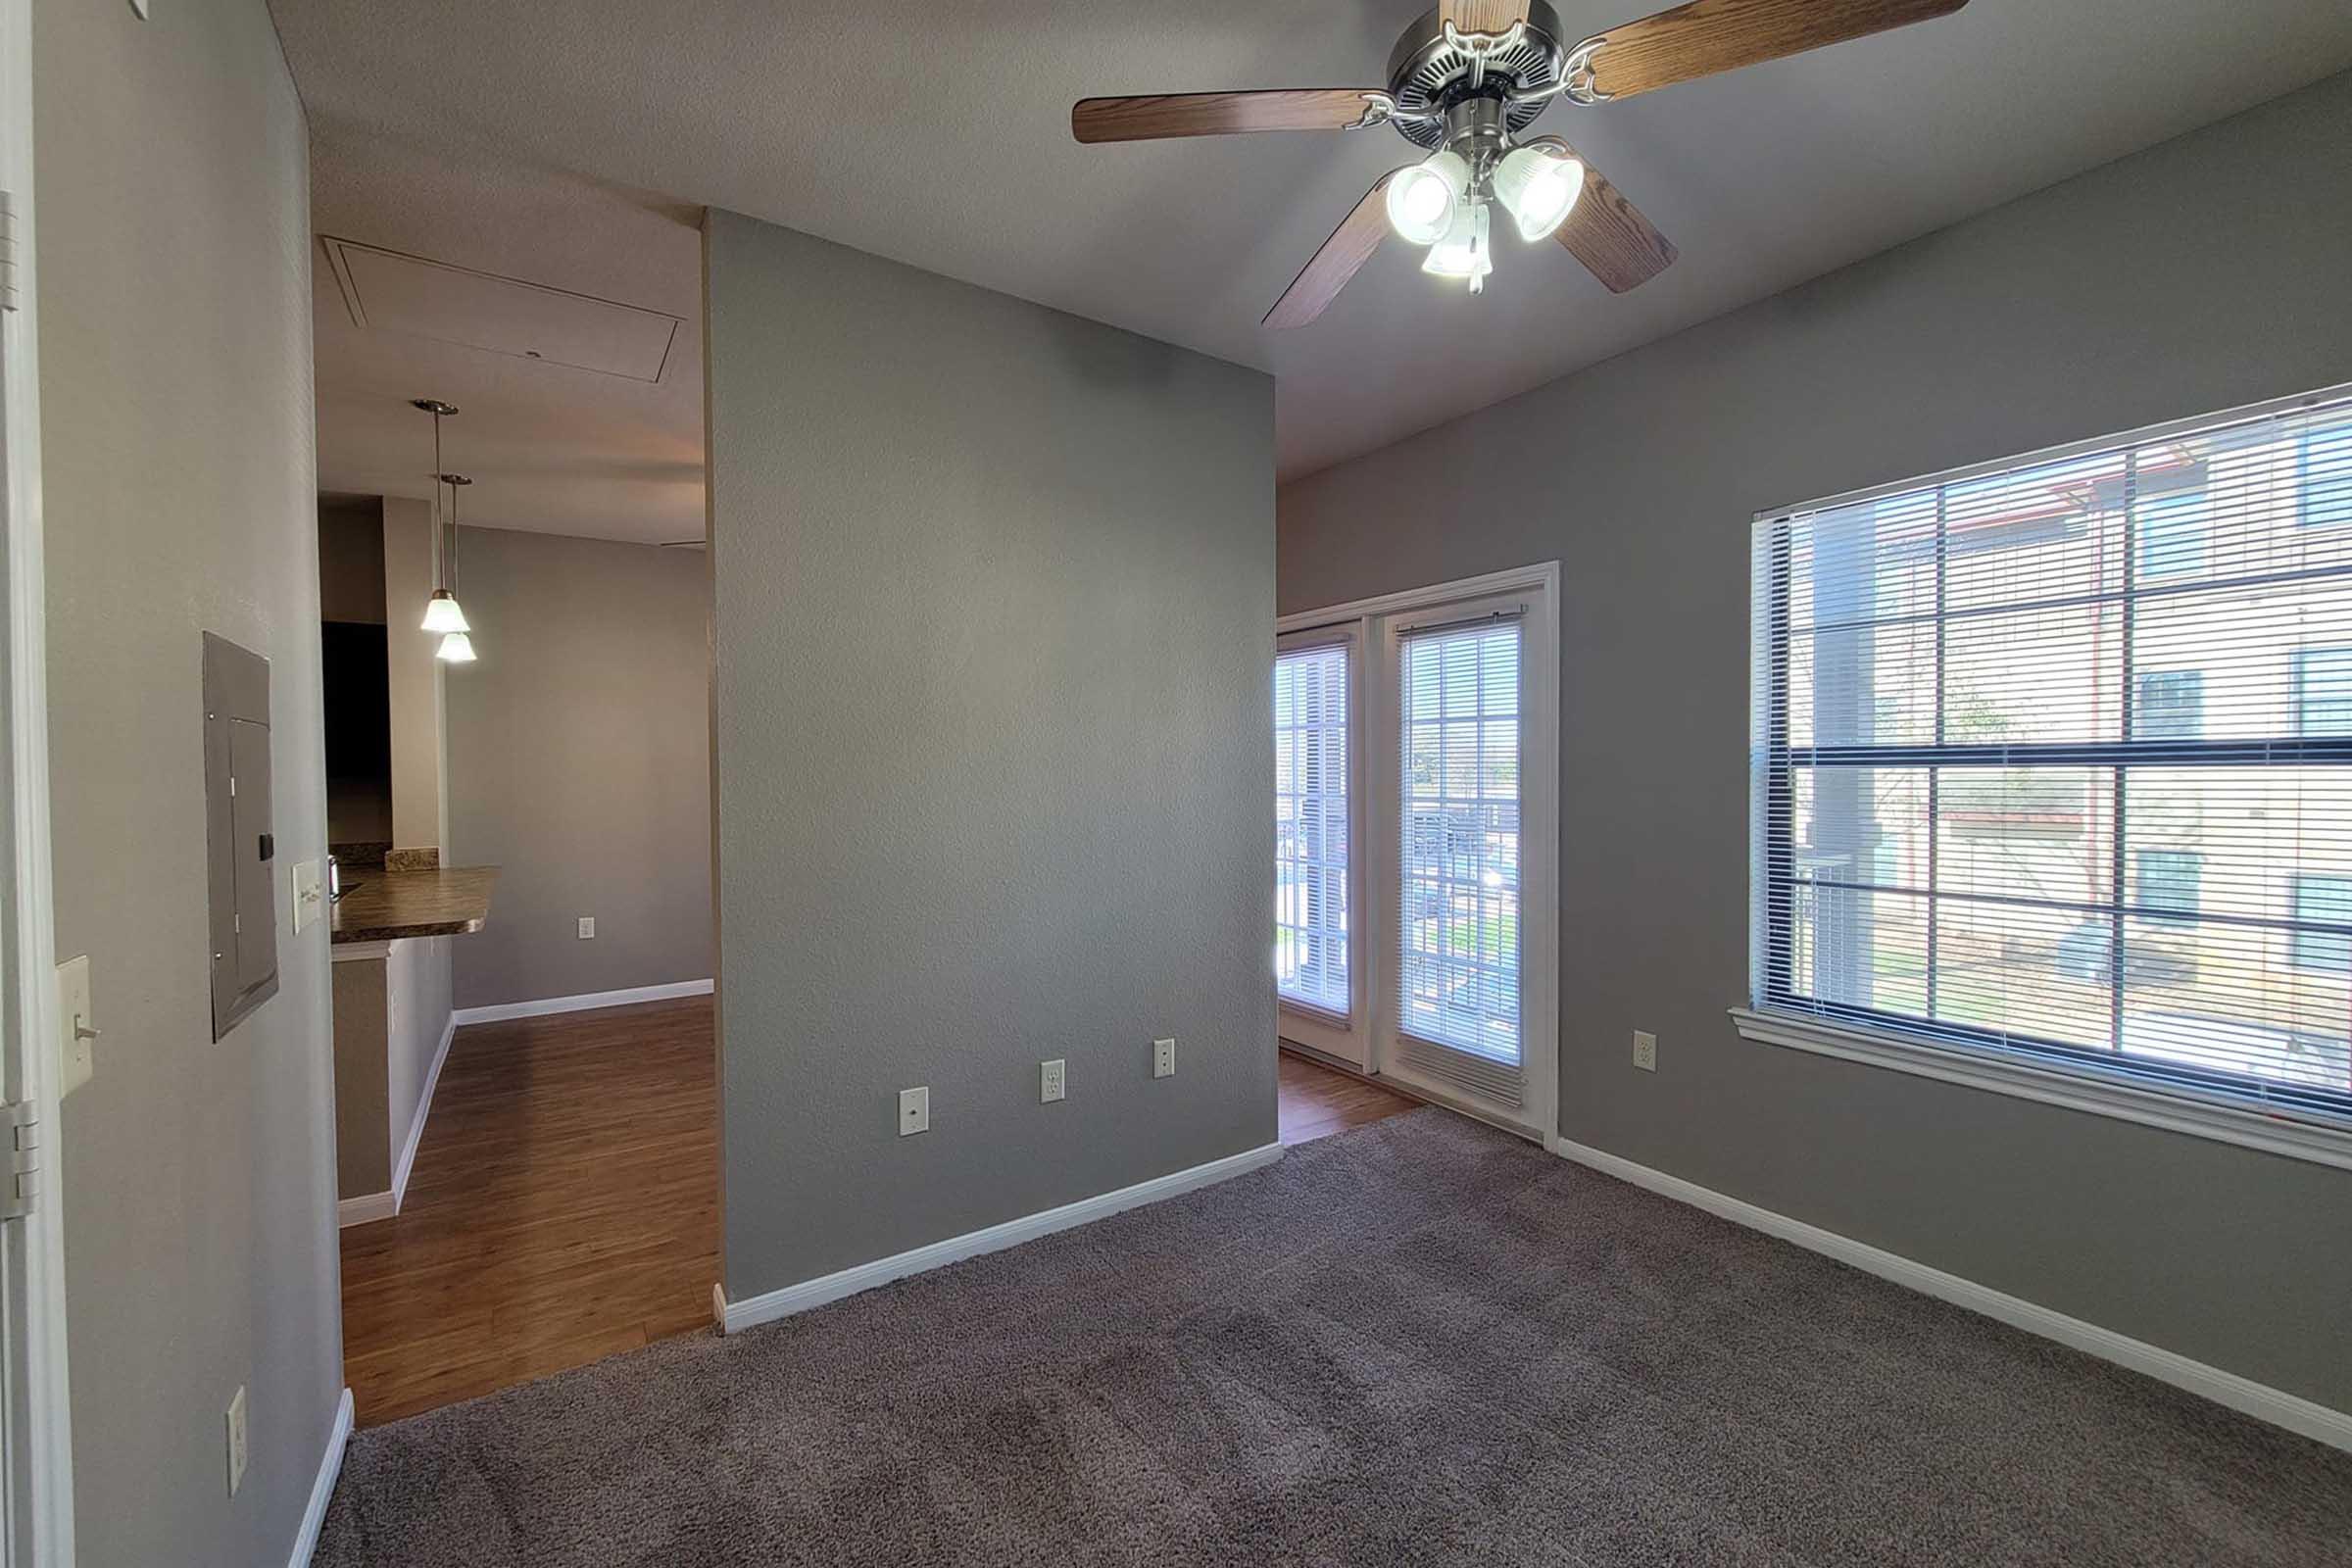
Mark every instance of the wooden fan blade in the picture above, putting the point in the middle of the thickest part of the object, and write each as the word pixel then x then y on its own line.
pixel 1482 16
pixel 1707 36
pixel 1608 234
pixel 1328 270
pixel 1215 114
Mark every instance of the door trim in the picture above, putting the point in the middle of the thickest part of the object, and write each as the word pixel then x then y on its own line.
pixel 35 1423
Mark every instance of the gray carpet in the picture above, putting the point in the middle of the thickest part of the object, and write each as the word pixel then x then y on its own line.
pixel 1418 1343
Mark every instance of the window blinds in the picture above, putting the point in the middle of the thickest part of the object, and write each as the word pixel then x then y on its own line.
pixel 1458 888
pixel 1310 828
pixel 2056 759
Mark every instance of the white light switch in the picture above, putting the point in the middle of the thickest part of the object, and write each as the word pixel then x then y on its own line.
pixel 74 1030
pixel 587 927
pixel 1164 1059
pixel 309 898
pixel 915 1111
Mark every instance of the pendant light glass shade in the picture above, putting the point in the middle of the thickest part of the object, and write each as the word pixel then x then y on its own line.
pixel 1422 196
pixel 1463 252
pixel 455 649
pixel 1538 188
pixel 441 612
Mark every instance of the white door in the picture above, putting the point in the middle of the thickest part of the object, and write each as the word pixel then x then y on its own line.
pixel 1446 717
pixel 36 1512
pixel 1320 979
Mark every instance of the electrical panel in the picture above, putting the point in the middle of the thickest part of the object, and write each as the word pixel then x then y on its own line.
pixel 240 838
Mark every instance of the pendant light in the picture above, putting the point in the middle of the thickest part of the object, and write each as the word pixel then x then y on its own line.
pixel 441 611
pixel 457 648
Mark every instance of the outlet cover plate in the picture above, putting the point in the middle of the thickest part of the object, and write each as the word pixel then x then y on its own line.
pixel 915 1111
pixel 1052 1080
pixel 1645 1050
pixel 1164 1059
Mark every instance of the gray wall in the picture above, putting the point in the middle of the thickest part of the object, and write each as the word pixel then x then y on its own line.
pixel 391 1011
pixel 198 1189
pixel 994 649
pixel 580 763
pixel 2204 274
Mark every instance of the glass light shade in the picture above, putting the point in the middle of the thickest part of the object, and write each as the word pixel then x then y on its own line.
pixel 1422 196
pixel 1463 252
pixel 441 612
pixel 455 649
pixel 1538 188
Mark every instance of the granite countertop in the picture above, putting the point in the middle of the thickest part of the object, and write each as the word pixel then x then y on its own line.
pixel 388 906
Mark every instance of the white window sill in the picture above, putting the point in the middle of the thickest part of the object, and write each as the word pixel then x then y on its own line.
pixel 2182 1111
pixel 1308 1012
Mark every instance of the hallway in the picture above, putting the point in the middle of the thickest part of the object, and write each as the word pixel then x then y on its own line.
pixel 563 1206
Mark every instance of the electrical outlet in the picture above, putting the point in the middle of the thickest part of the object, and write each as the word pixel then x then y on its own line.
pixel 915 1111
pixel 236 1442
pixel 1645 1050
pixel 1164 1059
pixel 1049 1081
pixel 587 927
pixel 76 1032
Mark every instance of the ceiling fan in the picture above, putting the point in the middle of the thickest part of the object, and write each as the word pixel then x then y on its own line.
pixel 1464 81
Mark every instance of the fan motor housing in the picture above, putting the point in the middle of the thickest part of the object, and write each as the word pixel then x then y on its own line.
pixel 1428 75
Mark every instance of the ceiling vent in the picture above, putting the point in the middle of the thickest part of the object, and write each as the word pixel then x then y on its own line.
pixel 390 292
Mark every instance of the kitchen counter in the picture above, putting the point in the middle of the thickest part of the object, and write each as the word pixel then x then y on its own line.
pixel 380 905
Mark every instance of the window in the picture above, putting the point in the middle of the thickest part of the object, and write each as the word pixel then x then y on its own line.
pixel 2168 880
pixel 1458 925
pixel 2323 686
pixel 2323 900
pixel 2172 533
pixel 1310 828
pixel 2035 786
pixel 2171 705
pixel 2327 476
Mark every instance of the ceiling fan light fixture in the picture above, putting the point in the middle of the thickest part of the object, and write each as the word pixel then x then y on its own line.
pixel 1463 252
pixel 1423 196
pixel 1538 188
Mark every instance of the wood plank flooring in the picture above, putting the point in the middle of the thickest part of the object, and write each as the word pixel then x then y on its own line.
pixel 1317 1102
pixel 564 1206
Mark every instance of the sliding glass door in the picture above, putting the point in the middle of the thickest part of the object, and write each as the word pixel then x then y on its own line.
pixel 1416 910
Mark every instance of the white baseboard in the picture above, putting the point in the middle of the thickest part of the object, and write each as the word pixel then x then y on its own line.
pixel 586 1000
pixel 2258 1400
pixel 371 1207
pixel 773 1305
pixel 322 1488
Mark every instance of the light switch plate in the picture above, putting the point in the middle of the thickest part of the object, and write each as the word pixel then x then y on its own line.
pixel 310 897
pixel 915 1111
pixel 236 1440
pixel 1164 1059
pixel 76 1062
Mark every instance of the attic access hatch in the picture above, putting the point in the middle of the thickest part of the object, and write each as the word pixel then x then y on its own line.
pixel 392 292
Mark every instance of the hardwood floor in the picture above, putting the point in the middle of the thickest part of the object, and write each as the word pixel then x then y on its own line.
pixel 564 1206
pixel 1317 1102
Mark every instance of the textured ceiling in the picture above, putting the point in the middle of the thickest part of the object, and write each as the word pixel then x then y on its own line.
pixel 551 448
pixel 939 135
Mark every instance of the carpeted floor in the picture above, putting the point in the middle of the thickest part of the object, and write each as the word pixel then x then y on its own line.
pixel 1418 1343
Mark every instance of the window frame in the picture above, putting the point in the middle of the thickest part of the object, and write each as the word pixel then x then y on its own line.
pixel 2258 1114
pixel 2299 683
pixel 1339 1035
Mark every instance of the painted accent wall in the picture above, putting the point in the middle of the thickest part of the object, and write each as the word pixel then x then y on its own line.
pixel 198 1184
pixel 579 764
pixel 993 669
pixel 2204 274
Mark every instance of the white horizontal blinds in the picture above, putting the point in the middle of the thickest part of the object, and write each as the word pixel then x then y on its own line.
pixel 1458 888
pixel 1310 828
pixel 2059 757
